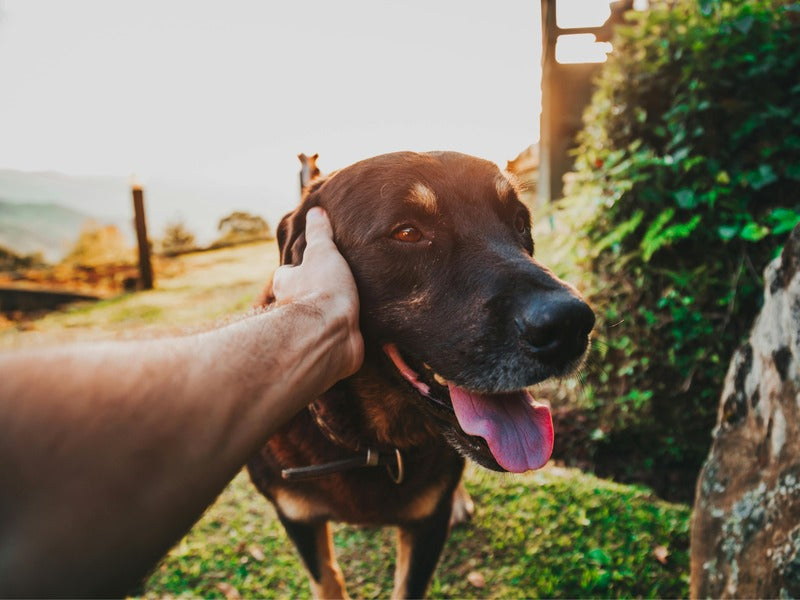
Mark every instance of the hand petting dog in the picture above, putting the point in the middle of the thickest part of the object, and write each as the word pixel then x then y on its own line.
pixel 324 282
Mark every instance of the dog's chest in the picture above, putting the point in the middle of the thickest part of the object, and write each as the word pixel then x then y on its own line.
pixel 364 413
pixel 361 501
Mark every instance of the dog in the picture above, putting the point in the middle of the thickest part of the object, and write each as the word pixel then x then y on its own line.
pixel 458 319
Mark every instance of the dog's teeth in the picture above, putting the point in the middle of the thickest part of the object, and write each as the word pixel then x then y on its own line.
pixel 440 380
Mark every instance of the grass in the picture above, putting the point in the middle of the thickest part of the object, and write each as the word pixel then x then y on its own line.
pixel 554 533
pixel 191 292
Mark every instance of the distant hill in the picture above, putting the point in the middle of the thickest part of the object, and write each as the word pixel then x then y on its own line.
pixel 107 200
pixel 45 211
pixel 47 228
pixel 104 198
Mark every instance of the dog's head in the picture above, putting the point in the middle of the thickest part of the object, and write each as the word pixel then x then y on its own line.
pixel 455 309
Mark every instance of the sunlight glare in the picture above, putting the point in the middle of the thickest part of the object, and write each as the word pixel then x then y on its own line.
pixel 571 14
pixel 581 48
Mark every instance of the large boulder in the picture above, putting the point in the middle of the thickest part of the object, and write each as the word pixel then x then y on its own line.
pixel 746 524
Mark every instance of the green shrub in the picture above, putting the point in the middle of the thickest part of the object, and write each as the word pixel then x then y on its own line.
pixel 177 239
pixel 690 160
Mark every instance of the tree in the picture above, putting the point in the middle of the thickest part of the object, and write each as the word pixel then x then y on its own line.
pixel 242 227
pixel 177 239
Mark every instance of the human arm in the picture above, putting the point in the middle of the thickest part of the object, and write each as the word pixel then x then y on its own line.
pixel 109 452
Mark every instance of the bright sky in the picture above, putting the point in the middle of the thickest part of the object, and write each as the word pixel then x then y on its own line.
pixel 232 91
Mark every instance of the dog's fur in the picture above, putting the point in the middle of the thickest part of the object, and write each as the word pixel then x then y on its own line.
pixel 441 250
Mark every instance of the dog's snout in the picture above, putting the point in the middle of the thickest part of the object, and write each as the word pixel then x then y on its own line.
pixel 555 328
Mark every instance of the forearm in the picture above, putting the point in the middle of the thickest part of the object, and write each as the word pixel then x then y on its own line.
pixel 163 426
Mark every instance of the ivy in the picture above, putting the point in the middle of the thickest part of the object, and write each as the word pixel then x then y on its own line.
pixel 690 156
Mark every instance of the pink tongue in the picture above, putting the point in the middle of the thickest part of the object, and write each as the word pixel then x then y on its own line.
pixel 518 430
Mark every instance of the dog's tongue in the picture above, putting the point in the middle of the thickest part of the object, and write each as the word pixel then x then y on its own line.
pixel 518 430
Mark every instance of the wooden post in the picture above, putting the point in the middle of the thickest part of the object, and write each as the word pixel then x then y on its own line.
pixel 544 183
pixel 145 267
pixel 566 90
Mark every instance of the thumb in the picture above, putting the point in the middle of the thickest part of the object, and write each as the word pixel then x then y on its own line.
pixel 318 229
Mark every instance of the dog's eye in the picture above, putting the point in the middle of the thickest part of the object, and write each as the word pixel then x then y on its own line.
pixel 407 233
pixel 521 223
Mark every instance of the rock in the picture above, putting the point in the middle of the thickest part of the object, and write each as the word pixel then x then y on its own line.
pixel 745 539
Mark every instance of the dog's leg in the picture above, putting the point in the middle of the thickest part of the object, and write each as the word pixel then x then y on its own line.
pixel 418 549
pixel 315 545
pixel 463 506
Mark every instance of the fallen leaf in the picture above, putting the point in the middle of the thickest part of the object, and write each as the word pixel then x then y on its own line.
pixel 476 579
pixel 661 553
pixel 257 553
pixel 230 592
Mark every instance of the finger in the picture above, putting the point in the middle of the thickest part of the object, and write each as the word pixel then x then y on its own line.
pixel 318 229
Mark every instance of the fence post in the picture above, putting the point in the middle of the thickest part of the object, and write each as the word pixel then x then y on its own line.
pixel 145 267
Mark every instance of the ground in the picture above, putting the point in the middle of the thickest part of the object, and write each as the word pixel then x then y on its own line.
pixel 553 533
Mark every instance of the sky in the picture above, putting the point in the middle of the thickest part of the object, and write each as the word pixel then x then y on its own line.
pixel 231 91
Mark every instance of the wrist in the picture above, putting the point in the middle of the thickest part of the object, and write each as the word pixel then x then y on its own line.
pixel 334 320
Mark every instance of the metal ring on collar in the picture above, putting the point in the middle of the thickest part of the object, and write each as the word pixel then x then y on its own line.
pixel 400 474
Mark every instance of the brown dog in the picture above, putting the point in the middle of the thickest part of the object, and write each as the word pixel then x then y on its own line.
pixel 458 319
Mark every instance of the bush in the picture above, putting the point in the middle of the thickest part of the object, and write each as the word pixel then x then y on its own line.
pixel 239 227
pixel 177 239
pixel 690 158
pixel 99 245
pixel 11 261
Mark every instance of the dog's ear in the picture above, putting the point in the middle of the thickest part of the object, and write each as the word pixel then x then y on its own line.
pixel 291 232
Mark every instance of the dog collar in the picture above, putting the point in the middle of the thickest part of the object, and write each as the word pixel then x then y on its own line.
pixel 393 461
pixel 364 457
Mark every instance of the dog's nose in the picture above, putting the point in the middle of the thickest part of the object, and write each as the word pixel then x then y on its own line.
pixel 555 327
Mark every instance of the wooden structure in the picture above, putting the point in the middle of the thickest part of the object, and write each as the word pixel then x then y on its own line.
pixel 566 90
pixel 32 299
pixel 308 169
pixel 145 265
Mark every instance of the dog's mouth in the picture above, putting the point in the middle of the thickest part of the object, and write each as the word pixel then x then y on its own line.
pixel 517 430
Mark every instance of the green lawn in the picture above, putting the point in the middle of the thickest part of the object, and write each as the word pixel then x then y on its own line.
pixel 553 533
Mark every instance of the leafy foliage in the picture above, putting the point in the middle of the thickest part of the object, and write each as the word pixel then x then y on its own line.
pixel 177 238
pixel 11 261
pixel 99 245
pixel 690 160
pixel 241 227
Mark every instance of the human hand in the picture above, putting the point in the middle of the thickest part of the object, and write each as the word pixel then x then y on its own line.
pixel 324 281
